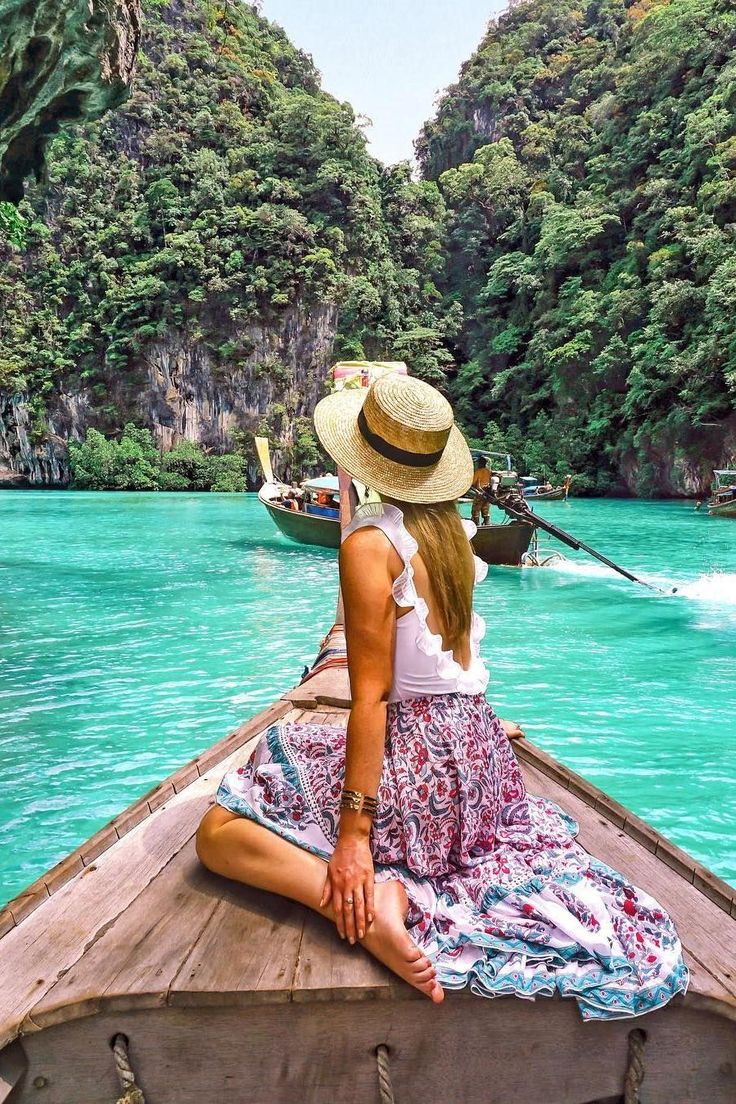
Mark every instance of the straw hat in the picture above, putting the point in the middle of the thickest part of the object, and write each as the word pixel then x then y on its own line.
pixel 398 437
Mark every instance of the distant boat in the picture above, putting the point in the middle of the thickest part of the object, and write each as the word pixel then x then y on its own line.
pixel 304 519
pixel 310 514
pixel 532 488
pixel 722 502
pixel 308 521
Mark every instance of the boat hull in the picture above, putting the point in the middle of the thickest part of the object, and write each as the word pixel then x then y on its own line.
pixel 726 509
pixel 225 993
pixel 319 1048
pixel 548 496
pixel 496 544
pixel 503 544
pixel 304 528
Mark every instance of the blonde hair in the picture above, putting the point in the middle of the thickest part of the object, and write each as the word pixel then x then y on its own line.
pixel 448 557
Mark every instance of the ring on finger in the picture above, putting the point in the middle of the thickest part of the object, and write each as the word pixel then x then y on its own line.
pixel 348 900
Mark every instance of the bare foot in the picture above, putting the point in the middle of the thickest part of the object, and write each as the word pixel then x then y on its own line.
pixel 388 940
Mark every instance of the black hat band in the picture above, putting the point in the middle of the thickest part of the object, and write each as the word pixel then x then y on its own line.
pixel 391 452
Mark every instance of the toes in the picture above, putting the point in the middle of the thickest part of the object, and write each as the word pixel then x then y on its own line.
pixel 437 993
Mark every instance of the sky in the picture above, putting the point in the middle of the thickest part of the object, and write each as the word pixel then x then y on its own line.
pixel 388 58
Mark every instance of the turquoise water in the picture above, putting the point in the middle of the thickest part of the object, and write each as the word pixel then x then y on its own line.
pixel 137 629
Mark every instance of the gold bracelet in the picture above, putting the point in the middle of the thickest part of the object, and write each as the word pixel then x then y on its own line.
pixel 358 802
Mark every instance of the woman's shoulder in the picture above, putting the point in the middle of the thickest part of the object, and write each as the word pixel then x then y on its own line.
pixel 384 517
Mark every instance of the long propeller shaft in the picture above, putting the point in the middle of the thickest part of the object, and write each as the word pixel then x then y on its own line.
pixel 514 505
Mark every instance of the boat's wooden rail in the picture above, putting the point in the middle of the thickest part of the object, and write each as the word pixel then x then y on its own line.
pixel 131 922
pixel 116 829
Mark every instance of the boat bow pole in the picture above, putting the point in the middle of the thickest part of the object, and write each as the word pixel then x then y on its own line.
pixel 513 504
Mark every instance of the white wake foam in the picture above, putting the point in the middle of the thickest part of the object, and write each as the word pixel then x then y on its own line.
pixel 717 587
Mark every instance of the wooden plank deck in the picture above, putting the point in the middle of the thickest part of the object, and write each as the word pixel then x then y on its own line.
pixel 131 922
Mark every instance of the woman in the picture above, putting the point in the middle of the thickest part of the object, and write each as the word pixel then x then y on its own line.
pixel 415 834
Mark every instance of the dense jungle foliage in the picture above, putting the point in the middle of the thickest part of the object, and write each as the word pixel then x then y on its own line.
pixel 565 269
pixel 228 188
pixel 134 463
pixel 587 156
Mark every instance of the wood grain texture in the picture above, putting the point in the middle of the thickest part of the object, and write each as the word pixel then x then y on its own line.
pixel 34 954
pixel 328 687
pixel 133 959
pixel 246 952
pixel 329 968
pixel 467 1051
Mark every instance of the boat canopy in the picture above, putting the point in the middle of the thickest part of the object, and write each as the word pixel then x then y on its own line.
pixel 323 483
pixel 505 456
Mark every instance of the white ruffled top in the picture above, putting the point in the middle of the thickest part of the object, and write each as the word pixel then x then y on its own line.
pixel 421 665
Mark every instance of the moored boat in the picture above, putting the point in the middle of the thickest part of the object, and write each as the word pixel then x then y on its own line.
pixel 318 526
pixel 205 985
pixel 722 502
pixel 532 488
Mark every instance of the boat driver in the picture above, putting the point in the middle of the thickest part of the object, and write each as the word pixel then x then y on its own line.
pixel 481 480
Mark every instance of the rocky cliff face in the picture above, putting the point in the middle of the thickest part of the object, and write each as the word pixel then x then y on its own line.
pixel 187 395
pixel 184 394
pixel 61 63
pixel 675 472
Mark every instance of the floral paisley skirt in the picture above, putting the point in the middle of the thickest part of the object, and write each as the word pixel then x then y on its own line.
pixel 501 896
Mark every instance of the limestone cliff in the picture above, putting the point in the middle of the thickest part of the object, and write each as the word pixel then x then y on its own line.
pixel 202 254
pixel 181 393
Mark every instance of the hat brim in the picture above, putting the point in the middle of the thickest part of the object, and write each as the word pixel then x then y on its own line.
pixel 336 422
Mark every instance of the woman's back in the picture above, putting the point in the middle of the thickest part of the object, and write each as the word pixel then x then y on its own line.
pixel 422 664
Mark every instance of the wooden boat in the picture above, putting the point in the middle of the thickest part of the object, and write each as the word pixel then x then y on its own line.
pixel 505 544
pixel 496 544
pixel 304 527
pixel 215 992
pixel 531 488
pixel 722 502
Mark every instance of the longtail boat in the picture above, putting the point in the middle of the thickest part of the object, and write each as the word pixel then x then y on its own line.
pixel 306 522
pixel 531 488
pixel 305 526
pixel 212 991
pixel 506 543
pixel 722 502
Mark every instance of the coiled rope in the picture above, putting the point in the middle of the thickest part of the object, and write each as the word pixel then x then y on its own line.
pixel 634 1066
pixel 131 1093
pixel 385 1088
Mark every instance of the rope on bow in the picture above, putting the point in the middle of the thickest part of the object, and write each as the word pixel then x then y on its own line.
pixel 385 1088
pixel 634 1066
pixel 131 1093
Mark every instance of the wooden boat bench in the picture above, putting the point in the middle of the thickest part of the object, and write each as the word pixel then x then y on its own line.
pixel 226 994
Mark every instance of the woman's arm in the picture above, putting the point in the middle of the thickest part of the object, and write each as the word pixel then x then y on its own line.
pixel 368 566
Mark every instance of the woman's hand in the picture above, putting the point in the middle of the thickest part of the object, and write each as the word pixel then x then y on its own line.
pixel 349 885
pixel 512 730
